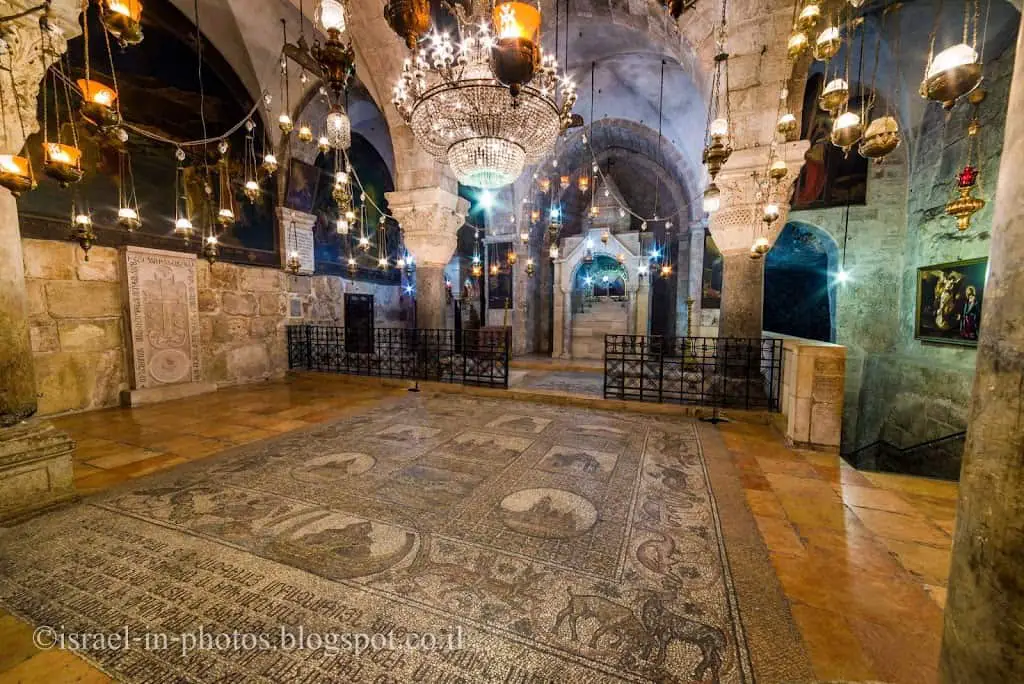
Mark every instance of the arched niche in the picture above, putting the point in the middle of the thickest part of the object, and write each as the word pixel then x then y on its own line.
pixel 800 280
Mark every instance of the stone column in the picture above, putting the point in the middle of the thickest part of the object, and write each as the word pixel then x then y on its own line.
pixel 739 221
pixel 742 295
pixel 696 285
pixel 984 618
pixel 35 459
pixel 430 219
pixel 558 313
pixel 566 325
pixel 643 306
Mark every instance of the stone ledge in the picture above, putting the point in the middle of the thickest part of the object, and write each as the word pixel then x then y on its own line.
pixel 153 395
pixel 35 470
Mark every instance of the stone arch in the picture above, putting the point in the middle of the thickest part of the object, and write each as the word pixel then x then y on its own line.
pixel 801 279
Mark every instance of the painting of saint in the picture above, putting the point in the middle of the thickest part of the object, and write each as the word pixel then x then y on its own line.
pixel 829 176
pixel 950 298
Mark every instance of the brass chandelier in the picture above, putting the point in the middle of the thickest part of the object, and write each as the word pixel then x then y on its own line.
pixel 490 104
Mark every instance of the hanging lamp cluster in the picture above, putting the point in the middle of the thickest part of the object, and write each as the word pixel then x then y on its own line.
pixel 487 106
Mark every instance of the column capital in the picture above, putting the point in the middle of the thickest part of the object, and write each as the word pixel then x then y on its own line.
pixel 23 41
pixel 430 219
pixel 734 225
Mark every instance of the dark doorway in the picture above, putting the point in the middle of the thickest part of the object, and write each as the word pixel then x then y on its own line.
pixel 799 292
pixel 359 323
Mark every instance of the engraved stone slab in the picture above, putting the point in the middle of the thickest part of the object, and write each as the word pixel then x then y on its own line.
pixel 162 316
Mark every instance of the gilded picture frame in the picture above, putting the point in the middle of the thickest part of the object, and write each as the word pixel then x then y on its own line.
pixel 950 302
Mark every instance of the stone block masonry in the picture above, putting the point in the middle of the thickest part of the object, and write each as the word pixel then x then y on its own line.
pixel 79 337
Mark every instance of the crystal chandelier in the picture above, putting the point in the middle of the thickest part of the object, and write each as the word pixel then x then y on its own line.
pixel 489 105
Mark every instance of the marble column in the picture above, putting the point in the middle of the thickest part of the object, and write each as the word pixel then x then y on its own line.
pixel 566 325
pixel 735 226
pixel 35 458
pixel 430 219
pixel 983 639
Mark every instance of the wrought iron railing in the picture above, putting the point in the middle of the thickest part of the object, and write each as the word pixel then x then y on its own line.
pixel 705 371
pixel 939 458
pixel 469 357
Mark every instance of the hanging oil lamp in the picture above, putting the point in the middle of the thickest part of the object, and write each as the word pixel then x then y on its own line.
pixel 122 18
pixel 98 103
pixel 269 163
pixel 323 145
pixel 777 170
pixel 786 124
pixel 595 211
pixel 305 133
pixel 544 184
pixel 81 230
pixel 512 258
pixel 796 44
pixel 951 74
pixel 770 213
pixel 881 138
pixel 210 249
pixel 620 257
pixel 712 199
pixel 524 237
pixel 339 128
pixel 294 264
pixel 761 246
pixel 494 269
pixel 353 265
pixel 128 205
pixel 846 131
pixel 410 19
pixel 284 122
pixel 16 174
pixel 809 16
pixel 251 187
pixel 553 252
pixel 605 236
pixel 563 182
pixel 382 263
pixel 583 183
pixel 835 94
pixel 666 270
pixel 364 243
pixel 63 163
pixel 515 55
pixel 531 268
pixel 826 45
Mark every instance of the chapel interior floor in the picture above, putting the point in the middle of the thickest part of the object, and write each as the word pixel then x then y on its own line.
pixel 862 557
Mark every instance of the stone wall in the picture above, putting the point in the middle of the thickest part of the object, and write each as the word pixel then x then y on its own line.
pixel 76 327
pixel 78 332
pixel 898 388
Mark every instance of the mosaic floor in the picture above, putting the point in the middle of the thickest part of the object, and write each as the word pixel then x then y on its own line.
pixel 861 557
pixel 572 382
pixel 568 544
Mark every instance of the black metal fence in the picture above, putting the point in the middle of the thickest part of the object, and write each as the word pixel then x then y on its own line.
pixel 707 371
pixel 469 357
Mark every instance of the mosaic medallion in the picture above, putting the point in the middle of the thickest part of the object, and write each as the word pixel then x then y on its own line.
pixel 548 513
pixel 333 467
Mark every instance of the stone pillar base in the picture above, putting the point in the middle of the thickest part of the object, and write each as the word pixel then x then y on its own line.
pixel 153 395
pixel 35 470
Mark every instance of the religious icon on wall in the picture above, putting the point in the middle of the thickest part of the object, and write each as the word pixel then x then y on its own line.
pixel 829 177
pixel 711 282
pixel 303 180
pixel 949 302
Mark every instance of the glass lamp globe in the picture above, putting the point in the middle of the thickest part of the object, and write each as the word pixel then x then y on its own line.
pixel 954 72
pixel 719 128
pixel 712 199
pixel 330 15
pixel 771 213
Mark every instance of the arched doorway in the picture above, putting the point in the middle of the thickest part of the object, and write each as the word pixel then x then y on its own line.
pixel 799 283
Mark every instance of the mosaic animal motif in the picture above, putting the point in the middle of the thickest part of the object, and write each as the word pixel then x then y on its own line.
pixel 657 554
pixel 665 627
pixel 577 460
pixel 674 479
pixel 613 618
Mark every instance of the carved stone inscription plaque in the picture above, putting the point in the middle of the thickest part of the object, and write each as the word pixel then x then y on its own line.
pixel 163 316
